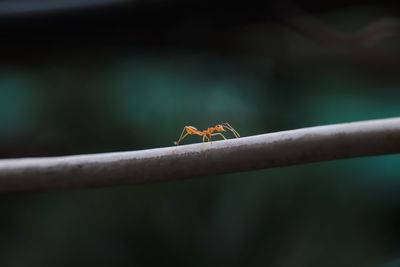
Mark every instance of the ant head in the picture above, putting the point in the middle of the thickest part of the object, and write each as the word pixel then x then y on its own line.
pixel 219 128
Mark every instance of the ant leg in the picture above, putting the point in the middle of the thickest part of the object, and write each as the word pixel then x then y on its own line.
pixel 229 127
pixel 183 135
pixel 181 138
pixel 214 134
pixel 206 137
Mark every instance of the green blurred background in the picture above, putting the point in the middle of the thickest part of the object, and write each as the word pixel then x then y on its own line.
pixel 91 91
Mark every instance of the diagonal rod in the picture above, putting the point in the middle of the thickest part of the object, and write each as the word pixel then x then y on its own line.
pixel 338 141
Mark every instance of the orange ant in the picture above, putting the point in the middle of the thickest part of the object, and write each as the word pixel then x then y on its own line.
pixel 207 134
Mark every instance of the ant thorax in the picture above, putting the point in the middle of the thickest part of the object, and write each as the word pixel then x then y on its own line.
pixel 210 130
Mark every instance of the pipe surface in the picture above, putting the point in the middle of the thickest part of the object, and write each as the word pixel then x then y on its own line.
pixel 338 141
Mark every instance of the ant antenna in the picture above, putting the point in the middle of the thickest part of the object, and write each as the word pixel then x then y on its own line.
pixel 229 127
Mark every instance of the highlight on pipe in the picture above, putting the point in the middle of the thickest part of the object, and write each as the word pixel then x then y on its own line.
pixel 209 133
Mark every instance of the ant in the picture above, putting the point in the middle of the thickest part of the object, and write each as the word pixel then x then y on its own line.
pixel 207 134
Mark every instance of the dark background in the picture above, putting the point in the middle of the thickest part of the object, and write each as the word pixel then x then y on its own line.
pixel 99 76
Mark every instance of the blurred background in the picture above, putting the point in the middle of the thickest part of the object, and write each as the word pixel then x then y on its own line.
pixel 95 76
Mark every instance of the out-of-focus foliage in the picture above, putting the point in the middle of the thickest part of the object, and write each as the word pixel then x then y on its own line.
pixel 339 213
